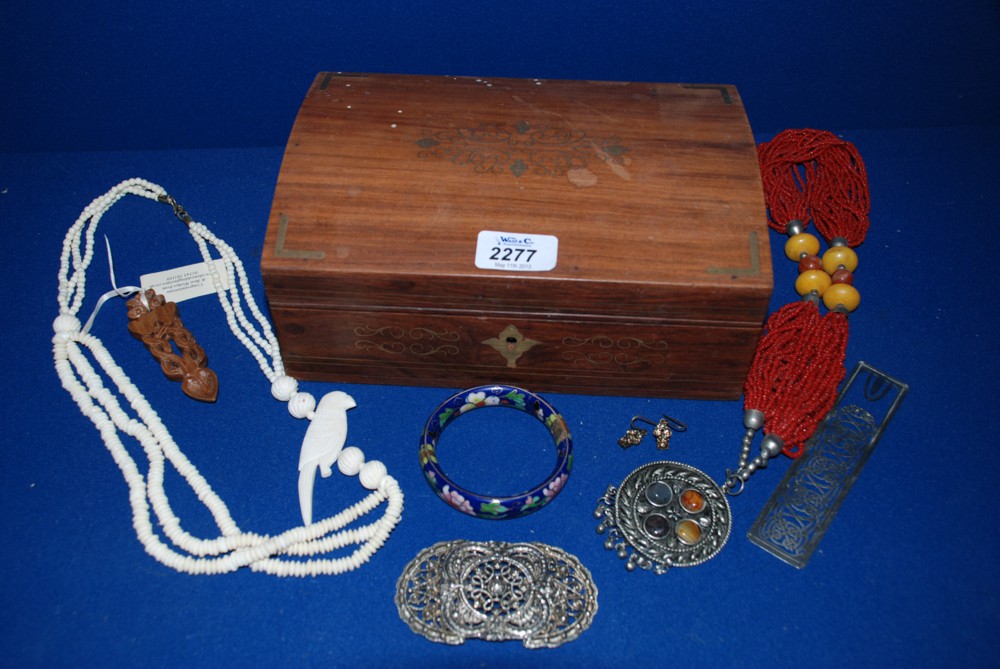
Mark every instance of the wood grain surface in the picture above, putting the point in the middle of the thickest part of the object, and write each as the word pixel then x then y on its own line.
pixel 652 190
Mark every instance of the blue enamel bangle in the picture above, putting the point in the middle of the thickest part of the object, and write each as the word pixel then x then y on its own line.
pixel 490 506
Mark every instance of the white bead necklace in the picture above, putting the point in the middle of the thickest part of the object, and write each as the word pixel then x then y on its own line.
pixel 233 548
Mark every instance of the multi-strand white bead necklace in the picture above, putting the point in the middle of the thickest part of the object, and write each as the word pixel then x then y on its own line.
pixel 233 548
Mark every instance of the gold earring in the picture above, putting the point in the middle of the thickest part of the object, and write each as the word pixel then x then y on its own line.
pixel 664 429
pixel 633 435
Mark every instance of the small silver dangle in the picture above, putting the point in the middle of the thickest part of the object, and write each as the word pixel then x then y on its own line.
pixel 770 447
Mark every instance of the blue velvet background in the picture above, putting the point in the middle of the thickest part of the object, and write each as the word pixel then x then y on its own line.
pixel 200 97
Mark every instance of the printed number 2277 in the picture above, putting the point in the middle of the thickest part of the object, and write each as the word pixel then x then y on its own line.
pixel 508 253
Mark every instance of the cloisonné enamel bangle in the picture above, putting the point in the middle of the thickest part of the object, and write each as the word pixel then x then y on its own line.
pixel 491 506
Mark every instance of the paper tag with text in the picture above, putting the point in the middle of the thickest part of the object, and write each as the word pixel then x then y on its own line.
pixel 516 252
pixel 185 283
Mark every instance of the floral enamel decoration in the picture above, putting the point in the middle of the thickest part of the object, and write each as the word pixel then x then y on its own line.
pixel 456 500
pixel 491 506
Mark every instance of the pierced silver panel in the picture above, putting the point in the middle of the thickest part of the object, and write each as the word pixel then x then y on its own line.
pixel 496 591
pixel 802 507
pixel 665 514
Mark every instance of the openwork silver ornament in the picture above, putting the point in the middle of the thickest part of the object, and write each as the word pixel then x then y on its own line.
pixel 802 507
pixel 663 515
pixel 496 591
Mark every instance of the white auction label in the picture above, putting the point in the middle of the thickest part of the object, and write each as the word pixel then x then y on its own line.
pixel 185 283
pixel 516 252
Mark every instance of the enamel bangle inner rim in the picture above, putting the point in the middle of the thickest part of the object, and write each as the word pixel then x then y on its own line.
pixel 494 507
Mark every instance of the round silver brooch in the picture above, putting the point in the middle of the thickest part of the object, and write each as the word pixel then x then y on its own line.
pixel 663 515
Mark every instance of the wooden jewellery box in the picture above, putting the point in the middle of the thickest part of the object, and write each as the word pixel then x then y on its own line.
pixel 573 236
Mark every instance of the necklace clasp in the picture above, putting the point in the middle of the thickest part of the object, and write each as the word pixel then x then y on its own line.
pixel 179 211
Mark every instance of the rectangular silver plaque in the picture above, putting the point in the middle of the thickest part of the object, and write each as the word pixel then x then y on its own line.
pixel 795 518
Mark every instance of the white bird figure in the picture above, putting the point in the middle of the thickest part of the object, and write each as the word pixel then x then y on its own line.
pixel 322 444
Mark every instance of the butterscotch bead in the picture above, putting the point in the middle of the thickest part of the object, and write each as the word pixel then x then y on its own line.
pixel 802 244
pixel 843 294
pixel 838 257
pixel 813 280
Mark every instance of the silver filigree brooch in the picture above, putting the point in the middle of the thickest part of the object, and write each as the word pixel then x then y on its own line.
pixel 663 515
pixel 496 591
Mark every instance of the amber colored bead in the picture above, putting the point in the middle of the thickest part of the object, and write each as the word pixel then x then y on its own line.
pixel 802 244
pixel 814 279
pixel 838 257
pixel 810 262
pixel 842 276
pixel 688 532
pixel 692 500
pixel 842 294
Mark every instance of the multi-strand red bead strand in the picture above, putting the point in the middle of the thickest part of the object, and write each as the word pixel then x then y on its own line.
pixel 814 175
pixel 808 175
pixel 796 370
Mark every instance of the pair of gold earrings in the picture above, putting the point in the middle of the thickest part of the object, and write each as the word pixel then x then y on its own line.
pixel 662 431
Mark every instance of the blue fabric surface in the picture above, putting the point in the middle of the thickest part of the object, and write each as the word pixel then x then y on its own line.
pixel 199 98
pixel 228 73
pixel 902 577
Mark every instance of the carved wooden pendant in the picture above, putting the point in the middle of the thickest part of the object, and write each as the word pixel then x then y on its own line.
pixel 160 329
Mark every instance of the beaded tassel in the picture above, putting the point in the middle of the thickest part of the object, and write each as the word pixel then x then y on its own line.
pixel 796 370
pixel 799 362
pixel 815 175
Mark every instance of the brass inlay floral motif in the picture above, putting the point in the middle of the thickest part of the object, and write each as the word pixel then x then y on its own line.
pixel 613 351
pixel 547 150
pixel 413 341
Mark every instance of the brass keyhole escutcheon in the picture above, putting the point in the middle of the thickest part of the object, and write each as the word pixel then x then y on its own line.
pixel 511 344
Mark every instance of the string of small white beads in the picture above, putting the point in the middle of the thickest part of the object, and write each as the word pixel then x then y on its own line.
pixel 71 288
pixel 258 343
pixel 299 541
pixel 233 549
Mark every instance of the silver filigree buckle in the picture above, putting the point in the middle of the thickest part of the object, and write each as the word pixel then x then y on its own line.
pixel 496 591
